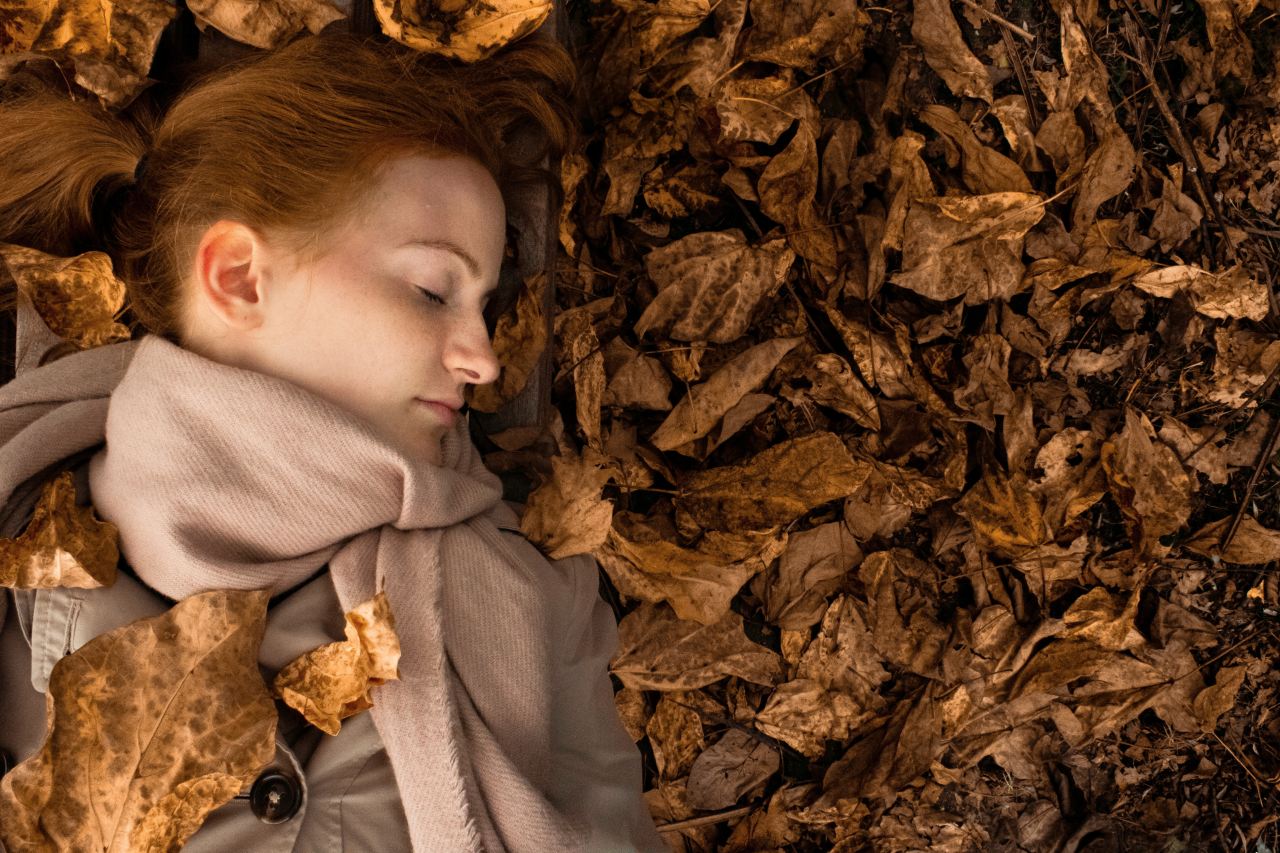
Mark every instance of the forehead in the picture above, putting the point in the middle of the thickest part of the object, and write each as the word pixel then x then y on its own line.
pixel 428 199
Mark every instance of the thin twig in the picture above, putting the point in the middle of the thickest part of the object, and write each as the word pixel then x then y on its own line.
pixel 1013 28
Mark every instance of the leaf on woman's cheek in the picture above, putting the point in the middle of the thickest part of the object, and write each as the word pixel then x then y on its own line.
pixel 64 545
pixel 150 727
pixel 332 682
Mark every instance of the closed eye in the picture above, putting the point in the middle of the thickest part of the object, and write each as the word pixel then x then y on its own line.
pixel 431 296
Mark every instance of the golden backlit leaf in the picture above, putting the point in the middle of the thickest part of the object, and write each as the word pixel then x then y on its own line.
pixel 78 298
pixel 146 727
pixel 710 284
pixel 330 683
pixel 267 25
pixel 64 545
pixel 519 338
pixel 774 487
pixel 470 34
pixel 659 651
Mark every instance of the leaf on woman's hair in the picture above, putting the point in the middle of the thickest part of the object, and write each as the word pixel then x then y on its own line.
pixel 149 727
pixel 64 545
pixel 330 683
pixel 465 31
pixel 267 25
pixel 78 298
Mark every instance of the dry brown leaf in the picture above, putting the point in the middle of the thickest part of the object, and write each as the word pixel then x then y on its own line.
pixel 1219 697
pixel 900 591
pixel 578 352
pixel 1230 294
pixel 129 731
pixel 801 32
pixel 811 568
pixel 330 683
pixel 934 29
pixel 832 383
pixel 635 380
pixel 710 284
pixel 63 545
pixel 266 25
pixel 729 769
pixel 470 34
pixel 699 410
pixel 1250 545
pixel 1005 514
pixel 698 583
pixel 519 338
pixel 659 651
pixel 967 246
pixel 566 515
pixel 984 169
pixel 632 711
pixel 787 189
pixel 110 46
pixel 1148 483
pixel 78 298
pixel 774 487
pixel 675 734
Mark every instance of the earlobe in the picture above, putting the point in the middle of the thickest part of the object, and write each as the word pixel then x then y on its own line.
pixel 228 277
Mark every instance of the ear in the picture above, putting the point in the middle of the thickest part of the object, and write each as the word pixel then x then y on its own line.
pixel 228 275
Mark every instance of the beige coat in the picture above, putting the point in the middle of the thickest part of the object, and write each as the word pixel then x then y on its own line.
pixel 349 796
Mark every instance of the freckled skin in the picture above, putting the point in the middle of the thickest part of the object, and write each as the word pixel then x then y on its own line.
pixel 354 326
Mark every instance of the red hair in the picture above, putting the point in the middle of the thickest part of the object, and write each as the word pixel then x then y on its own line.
pixel 287 142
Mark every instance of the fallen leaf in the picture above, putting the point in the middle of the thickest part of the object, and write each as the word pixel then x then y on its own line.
pixel 63 545
pixel 330 683
pixel 129 734
pixel 470 34
pixel 729 769
pixel 265 25
pixel 567 515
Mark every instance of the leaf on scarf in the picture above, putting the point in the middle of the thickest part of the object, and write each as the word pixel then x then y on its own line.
pixel 330 683
pixel 519 339
pixel 566 514
pixel 268 24
pixel 109 45
pixel 149 727
pixel 659 651
pixel 463 30
pixel 78 298
pixel 64 545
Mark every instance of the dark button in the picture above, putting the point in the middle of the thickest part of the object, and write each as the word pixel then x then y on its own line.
pixel 6 762
pixel 275 797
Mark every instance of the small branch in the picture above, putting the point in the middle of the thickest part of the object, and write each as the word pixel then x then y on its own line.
pixel 1011 27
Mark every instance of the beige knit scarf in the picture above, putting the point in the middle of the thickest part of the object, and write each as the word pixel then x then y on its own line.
pixel 222 478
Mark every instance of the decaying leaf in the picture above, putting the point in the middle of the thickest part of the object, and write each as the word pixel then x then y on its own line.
pixel 149 727
pixel 468 31
pixel 63 545
pixel 330 683
pixel 266 25
pixel 566 515
pixel 78 298
pixel 1147 481
pixel 519 338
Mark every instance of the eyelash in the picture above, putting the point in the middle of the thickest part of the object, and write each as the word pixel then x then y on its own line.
pixel 431 296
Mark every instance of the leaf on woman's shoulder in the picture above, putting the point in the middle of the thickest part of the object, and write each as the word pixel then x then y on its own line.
pixel 149 727
pixel 332 682
pixel 64 545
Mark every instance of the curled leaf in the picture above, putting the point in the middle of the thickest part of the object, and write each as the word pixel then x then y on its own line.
pixel 64 545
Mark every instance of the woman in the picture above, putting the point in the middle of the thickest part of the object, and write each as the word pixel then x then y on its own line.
pixel 309 239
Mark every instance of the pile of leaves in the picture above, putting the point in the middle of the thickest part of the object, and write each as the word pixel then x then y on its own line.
pixel 917 364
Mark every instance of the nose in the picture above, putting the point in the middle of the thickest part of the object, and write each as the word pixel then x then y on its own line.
pixel 471 354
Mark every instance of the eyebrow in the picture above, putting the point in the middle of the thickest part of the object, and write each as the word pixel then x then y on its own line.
pixel 472 265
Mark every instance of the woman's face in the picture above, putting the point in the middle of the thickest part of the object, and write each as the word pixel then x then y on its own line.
pixel 390 315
